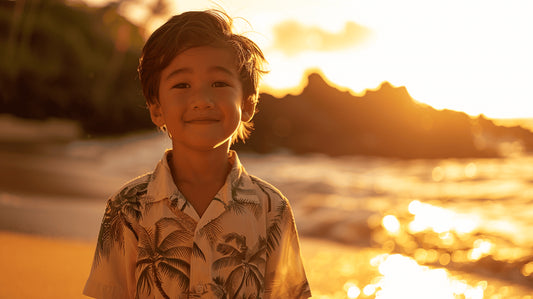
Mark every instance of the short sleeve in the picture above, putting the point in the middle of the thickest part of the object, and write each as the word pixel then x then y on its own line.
pixel 113 270
pixel 285 274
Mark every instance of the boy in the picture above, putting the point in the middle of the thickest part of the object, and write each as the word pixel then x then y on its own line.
pixel 199 226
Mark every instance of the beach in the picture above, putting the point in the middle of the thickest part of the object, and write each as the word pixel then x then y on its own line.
pixel 44 267
pixel 369 227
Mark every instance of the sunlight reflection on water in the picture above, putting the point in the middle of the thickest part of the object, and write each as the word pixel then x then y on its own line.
pixel 403 277
pixel 431 219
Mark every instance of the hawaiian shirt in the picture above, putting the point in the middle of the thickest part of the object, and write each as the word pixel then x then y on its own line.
pixel 153 244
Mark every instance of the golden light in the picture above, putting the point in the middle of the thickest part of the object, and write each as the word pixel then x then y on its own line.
pixel 481 249
pixel 391 224
pixel 369 289
pixel 403 277
pixel 461 65
pixel 352 291
pixel 527 270
pixel 439 220
pixel 470 170
pixel 437 174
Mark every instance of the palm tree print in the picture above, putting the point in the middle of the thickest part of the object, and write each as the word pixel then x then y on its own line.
pixel 246 265
pixel 218 288
pixel 160 255
pixel 237 206
pixel 120 209
pixel 274 229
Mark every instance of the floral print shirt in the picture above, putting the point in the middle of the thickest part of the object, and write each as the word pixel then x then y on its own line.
pixel 153 244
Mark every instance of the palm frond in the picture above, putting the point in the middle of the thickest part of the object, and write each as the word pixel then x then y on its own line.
pixel 257 259
pixel 181 278
pixel 227 249
pixel 197 252
pixel 211 231
pixel 225 262
pixel 143 262
pixel 176 238
pixel 132 208
pixel 144 282
pixel 218 287
pixel 239 239
pixel 182 252
pixel 256 281
pixel 273 237
pixel 240 205
pixel 143 252
pixel 150 202
pixel 236 206
pixel 235 276
pixel 263 188
pixel 111 231
pixel 178 264
pixel 146 239
pixel 167 222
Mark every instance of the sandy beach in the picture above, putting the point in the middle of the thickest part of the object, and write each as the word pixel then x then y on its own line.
pixel 40 267
pixel 43 267
pixel 52 198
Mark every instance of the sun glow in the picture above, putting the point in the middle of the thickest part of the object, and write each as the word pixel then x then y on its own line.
pixel 471 56
pixel 391 224
pixel 403 277
pixel 439 220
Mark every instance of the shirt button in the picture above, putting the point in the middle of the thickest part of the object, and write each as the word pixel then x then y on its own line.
pixel 199 288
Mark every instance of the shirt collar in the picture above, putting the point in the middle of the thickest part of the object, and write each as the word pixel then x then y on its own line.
pixel 238 183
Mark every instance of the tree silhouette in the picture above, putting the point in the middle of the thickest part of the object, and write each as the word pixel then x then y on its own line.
pixel 246 265
pixel 165 256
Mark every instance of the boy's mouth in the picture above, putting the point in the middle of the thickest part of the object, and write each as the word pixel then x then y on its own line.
pixel 202 120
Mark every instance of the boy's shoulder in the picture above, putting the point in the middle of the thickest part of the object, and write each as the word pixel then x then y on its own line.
pixel 264 185
pixel 272 193
pixel 134 189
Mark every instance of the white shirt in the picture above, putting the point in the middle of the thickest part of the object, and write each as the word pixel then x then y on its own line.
pixel 153 244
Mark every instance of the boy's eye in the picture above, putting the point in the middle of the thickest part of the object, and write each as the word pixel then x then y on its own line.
pixel 220 84
pixel 181 85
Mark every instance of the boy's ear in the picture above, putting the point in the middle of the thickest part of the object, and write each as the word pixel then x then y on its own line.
pixel 248 109
pixel 156 114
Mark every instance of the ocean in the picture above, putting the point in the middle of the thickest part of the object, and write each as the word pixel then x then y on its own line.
pixel 386 228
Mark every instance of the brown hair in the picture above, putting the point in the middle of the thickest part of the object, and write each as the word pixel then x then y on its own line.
pixel 194 29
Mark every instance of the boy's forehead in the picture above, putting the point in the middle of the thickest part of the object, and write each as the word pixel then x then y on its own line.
pixel 203 58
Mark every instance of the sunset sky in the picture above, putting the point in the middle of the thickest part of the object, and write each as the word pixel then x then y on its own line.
pixel 468 55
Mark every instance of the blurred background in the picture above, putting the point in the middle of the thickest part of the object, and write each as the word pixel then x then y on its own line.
pixel 400 131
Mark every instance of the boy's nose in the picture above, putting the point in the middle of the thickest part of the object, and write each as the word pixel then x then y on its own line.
pixel 202 100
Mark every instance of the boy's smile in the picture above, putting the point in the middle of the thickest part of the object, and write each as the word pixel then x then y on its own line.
pixel 201 99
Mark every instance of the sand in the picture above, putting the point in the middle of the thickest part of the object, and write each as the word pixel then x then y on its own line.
pixel 43 267
pixel 40 267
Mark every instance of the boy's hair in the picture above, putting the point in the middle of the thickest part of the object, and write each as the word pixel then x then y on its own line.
pixel 200 28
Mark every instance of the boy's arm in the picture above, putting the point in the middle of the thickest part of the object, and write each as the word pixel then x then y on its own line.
pixel 285 274
pixel 113 270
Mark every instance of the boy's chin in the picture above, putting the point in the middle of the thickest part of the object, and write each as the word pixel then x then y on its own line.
pixel 205 146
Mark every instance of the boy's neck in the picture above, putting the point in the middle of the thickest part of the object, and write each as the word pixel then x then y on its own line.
pixel 200 167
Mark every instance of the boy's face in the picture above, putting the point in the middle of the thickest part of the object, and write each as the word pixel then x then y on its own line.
pixel 200 99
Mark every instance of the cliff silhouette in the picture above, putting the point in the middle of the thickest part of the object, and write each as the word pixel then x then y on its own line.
pixel 383 122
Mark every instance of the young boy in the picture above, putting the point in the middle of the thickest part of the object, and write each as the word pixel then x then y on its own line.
pixel 199 226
